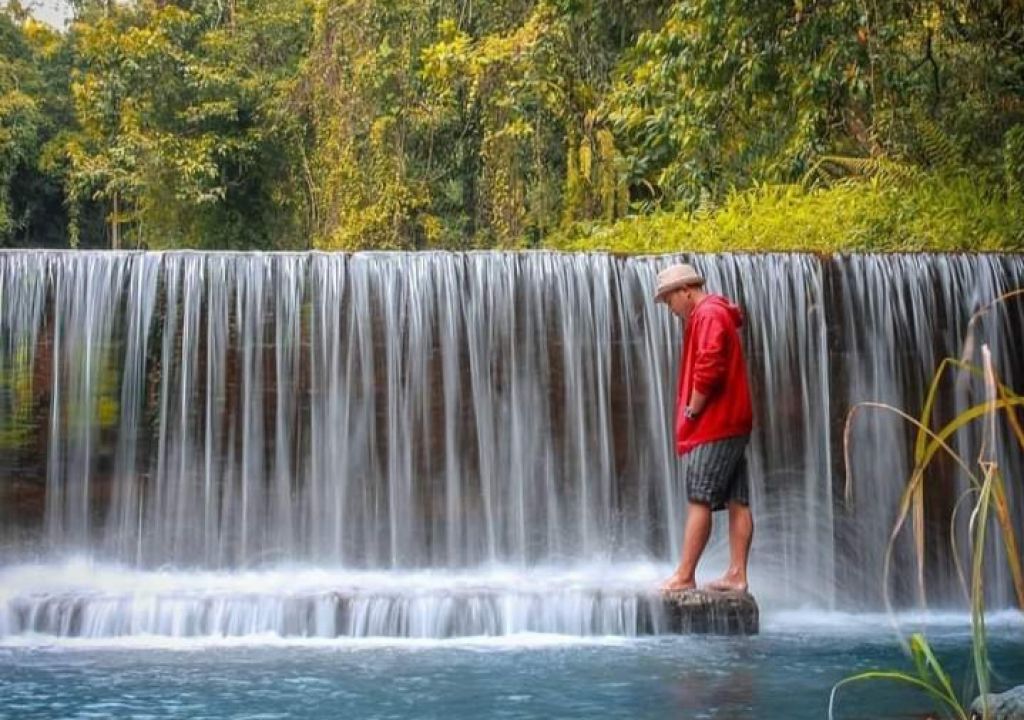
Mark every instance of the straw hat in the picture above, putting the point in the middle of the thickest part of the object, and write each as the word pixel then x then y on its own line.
pixel 674 277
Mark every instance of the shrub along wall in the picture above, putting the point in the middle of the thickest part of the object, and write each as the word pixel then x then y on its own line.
pixel 919 214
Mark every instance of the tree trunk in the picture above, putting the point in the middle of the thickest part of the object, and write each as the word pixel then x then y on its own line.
pixel 115 225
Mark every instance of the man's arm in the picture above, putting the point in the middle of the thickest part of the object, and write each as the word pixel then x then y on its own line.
pixel 709 362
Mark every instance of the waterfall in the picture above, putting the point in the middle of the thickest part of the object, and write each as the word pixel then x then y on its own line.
pixel 455 415
pixel 899 318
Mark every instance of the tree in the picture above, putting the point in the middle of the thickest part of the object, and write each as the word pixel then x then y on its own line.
pixel 452 123
pixel 726 94
pixel 456 124
pixel 34 105
pixel 184 128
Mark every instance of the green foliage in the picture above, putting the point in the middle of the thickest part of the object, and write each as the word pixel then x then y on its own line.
pixel 730 94
pixel 445 124
pixel 185 130
pixel 940 150
pixel 33 106
pixel 1013 162
pixel 934 213
pixel 457 124
pixel 724 93
pixel 830 169
pixel 366 111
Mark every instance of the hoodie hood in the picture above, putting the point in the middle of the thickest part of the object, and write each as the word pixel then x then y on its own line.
pixel 717 303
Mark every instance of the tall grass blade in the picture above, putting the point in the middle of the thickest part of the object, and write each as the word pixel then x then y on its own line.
pixel 920 648
pixel 947 701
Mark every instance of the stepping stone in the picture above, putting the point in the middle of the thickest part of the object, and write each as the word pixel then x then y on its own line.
pixel 711 612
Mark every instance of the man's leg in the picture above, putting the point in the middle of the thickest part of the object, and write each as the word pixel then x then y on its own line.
pixel 695 538
pixel 741 532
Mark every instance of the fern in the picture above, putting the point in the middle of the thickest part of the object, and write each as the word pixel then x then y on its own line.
pixel 831 169
pixel 940 150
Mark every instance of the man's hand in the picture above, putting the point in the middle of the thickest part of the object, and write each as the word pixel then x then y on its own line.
pixel 696 405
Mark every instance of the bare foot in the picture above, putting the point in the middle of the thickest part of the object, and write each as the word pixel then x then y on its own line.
pixel 728 583
pixel 677 583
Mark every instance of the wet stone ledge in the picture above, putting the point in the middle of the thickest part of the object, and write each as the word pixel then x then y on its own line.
pixel 711 612
pixel 426 613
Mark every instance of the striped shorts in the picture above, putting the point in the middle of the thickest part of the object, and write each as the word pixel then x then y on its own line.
pixel 716 473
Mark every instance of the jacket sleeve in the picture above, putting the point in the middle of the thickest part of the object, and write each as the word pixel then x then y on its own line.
pixel 710 355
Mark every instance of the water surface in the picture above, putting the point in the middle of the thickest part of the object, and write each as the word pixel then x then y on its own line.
pixel 786 672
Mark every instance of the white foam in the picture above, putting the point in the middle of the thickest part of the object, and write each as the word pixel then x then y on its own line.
pixel 80 603
pixel 107 603
pixel 82 575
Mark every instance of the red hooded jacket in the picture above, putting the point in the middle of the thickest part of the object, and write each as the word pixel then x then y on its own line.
pixel 713 364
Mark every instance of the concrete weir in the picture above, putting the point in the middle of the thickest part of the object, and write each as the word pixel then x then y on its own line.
pixel 711 612
pixel 480 444
pixel 288 606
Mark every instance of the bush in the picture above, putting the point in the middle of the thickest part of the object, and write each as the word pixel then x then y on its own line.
pixel 934 213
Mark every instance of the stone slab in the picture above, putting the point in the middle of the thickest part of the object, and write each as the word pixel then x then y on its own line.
pixel 711 612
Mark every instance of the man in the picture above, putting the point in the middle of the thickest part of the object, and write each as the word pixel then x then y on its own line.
pixel 713 424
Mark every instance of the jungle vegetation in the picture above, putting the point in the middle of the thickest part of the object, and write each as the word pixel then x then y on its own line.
pixel 642 126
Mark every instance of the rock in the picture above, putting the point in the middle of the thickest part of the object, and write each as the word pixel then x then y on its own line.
pixel 1002 706
pixel 711 611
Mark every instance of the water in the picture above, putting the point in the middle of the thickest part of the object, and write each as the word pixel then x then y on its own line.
pixel 786 672
pixel 900 316
pixel 391 485
pixel 80 599
pixel 393 411
pixel 385 411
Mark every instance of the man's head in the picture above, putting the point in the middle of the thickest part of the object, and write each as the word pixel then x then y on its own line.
pixel 681 288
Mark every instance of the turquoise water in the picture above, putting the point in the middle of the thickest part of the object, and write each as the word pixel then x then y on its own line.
pixel 786 672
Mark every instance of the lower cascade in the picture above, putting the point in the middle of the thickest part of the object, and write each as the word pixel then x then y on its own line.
pixel 95 603
pixel 236 445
